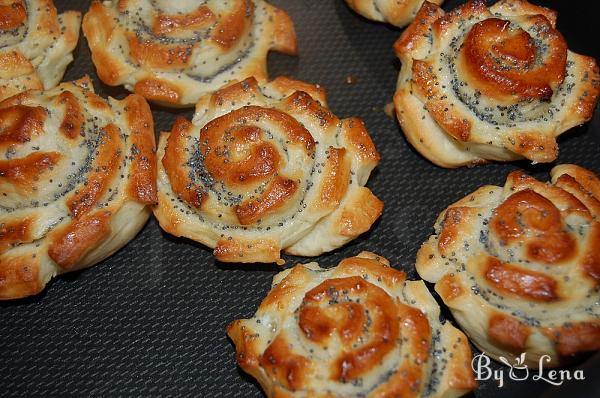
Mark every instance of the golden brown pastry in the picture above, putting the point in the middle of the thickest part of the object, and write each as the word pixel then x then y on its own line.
pixel 265 168
pixel 355 330
pixel 519 266
pixel 36 45
pixel 396 12
pixel 494 83
pixel 173 52
pixel 77 174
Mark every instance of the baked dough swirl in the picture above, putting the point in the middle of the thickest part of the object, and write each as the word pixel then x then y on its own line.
pixel 265 168
pixel 355 330
pixel 77 174
pixel 173 52
pixel 397 12
pixel 35 45
pixel 519 266
pixel 494 83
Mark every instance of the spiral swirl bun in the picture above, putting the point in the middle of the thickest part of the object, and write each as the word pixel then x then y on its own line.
pixel 355 330
pixel 173 52
pixel 265 168
pixel 398 13
pixel 495 83
pixel 77 174
pixel 35 45
pixel 519 266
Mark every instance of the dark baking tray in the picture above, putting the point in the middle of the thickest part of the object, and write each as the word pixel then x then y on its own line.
pixel 150 320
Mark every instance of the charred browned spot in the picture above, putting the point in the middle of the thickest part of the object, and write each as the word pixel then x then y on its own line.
pixel 526 284
pixel 71 243
pixel 359 213
pixel 245 343
pixel 14 65
pixel 508 332
pixel 451 227
pixel 279 192
pixel 455 126
pixel 535 146
pixel 295 279
pixel 96 102
pixel 24 172
pixel 174 164
pixel 464 12
pixel 585 186
pixel 520 179
pixel 286 367
pixel 99 26
pixel 156 55
pixel 142 180
pixel 302 102
pixel 165 24
pixel 14 232
pixel 502 59
pixel 568 203
pixel 417 31
pixel 104 168
pixel 336 176
pixel 12 14
pixel 19 123
pixel 73 118
pixel 121 4
pixel 460 373
pixel 232 27
pixel 449 288
pixel 237 92
pixel 371 266
pixel 157 90
pixel 248 251
pixel 416 325
pixel 108 70
pixel 426 82
pixel 284 35
pixel 50 23
pixel 591 257
pixel 358 137
pixel 290 86
pixel 527 213
pixel 575 338
pixel 240 157
pixel 19 277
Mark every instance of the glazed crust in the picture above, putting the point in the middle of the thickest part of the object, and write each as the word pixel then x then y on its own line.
pixel 36 45
pixel 265 168
pixel 497 83
pixel 398 13
pixel 77 178
pixel 519 266
pixel 173 54
pixel 358 329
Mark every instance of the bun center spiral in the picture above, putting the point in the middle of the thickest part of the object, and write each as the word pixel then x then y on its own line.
pixel 501 58
pixel 248 161
pixel 531 218
pixel 341 312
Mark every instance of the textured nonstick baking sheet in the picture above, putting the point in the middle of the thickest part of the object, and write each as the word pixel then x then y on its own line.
pixel 150 320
